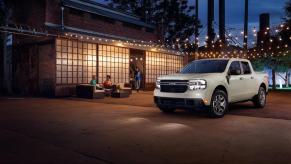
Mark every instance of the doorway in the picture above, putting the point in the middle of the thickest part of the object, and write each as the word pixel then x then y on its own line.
pixel 137 60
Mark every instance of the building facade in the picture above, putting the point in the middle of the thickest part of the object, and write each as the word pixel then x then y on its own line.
pixel 61 43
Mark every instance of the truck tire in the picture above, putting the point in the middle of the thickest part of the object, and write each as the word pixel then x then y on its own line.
pixel 219 104
pixel 167 109
pixel 260 99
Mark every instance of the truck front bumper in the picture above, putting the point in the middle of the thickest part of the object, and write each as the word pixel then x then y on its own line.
pixel 196 103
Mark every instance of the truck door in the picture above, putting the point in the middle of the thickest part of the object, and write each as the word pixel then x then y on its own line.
pixel 236 83
pixel 249 80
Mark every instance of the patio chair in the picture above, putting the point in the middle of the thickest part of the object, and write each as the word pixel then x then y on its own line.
pixel 89 92
pixel 124 88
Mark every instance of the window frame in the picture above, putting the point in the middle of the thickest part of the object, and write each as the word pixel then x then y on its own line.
pixel 113 61
pixel 243 70
pixel 76 61
pixel 159 63
pixel 229 69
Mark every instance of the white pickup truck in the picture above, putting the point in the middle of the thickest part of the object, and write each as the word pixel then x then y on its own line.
pixel 211 84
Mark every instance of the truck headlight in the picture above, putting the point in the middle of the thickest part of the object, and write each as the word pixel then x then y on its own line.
pixel 197 84
pixel 158 84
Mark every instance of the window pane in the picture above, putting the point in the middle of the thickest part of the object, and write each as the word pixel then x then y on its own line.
pixel 72 61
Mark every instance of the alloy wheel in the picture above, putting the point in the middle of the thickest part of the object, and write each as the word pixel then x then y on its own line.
pixel 262 97
pixel 219 104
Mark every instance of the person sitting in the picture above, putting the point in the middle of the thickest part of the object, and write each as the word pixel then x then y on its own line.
pixel 107 84
pixel 93 82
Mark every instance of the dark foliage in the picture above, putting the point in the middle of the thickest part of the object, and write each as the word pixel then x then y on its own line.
pixel 174 18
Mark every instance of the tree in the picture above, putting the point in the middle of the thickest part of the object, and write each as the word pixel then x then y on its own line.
pixel 278 64
pixel 142 8
pixel 285 33
pixel 258 64
pixel 174 18
pixel 177 21
pixel 288 11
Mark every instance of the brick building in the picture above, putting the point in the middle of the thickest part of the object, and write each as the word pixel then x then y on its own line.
pixel 60 43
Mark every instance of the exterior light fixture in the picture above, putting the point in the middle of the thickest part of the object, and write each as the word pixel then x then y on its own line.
pixel 119 44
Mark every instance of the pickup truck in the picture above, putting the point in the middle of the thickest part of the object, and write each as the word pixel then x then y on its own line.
pixel 211 84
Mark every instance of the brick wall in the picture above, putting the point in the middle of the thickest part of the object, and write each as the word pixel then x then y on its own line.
pixel 53 11
pixel 185 60
pixel 47 68
pixel 85 21
pixel 117 28
pixel 33 65
pixel 1 63
pixel 29 12
pixel 34 58
pixel 41 11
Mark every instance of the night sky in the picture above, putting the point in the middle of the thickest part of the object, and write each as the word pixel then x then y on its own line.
pixel 235 13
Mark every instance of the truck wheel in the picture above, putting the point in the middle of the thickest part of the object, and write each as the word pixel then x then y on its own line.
pixel 219 104
pixel 167 109
pixel 260 99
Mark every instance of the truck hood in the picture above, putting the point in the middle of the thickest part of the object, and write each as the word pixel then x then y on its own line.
pixel 189 76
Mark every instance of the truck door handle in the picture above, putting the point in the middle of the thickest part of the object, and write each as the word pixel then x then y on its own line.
pixel 252 77
pixel 241 78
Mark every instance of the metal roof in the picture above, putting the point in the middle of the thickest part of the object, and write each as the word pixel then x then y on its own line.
pixel 103 10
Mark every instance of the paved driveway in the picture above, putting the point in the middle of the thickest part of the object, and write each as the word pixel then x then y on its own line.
pixel 34 130
pixel 278 104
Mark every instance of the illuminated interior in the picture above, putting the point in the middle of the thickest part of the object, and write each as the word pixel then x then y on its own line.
pixel 113 61
pixel 161 64
pixel 77 61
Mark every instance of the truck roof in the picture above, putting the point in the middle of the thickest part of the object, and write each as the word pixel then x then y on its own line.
pixel 232 59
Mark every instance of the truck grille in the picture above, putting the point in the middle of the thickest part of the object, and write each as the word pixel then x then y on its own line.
pixel 174 86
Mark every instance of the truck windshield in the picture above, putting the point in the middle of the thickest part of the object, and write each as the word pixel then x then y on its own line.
pixel 205 66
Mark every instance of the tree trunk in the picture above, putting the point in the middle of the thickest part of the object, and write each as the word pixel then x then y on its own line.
pixel 274 79
pixel 287 79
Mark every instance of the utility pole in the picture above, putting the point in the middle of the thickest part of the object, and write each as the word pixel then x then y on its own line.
pixel 222 21
pixel 196 27
pixel 210 32
pixel 246 19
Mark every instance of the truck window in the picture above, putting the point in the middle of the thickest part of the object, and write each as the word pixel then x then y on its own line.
pixel 205 66
pixel 246 68
pixel 233 67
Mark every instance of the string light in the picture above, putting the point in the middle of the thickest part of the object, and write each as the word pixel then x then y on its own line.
pixel 177 45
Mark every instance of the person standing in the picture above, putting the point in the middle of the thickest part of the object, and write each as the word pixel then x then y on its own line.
pixel 137 79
